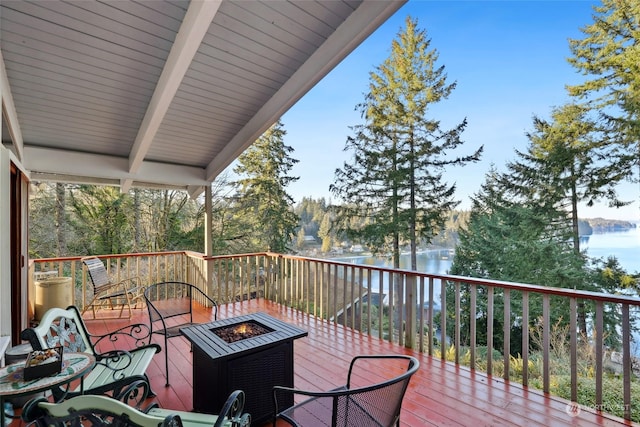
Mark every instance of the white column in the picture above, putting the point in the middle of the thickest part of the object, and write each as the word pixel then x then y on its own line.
pixel 5 242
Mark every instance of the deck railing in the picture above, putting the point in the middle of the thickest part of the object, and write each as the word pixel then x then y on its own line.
pixel 446 316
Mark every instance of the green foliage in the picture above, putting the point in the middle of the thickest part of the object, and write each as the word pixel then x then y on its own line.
pixel 100 218
pixel 393 188
pixel 262 203
pixel 608 55
pixel 509 241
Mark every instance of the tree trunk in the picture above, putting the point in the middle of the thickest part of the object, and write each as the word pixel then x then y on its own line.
pixel 61 203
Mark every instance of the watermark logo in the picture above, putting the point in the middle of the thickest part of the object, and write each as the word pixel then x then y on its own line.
pixel 572 409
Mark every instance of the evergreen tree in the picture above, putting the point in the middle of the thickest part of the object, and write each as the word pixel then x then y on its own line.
pixel 506 239
pixel 325 232
pixel 393 188
pixel 608 55
pixel 566 163
pixel 262 201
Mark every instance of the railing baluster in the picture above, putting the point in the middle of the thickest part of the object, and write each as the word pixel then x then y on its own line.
pixel 430 318
pixel 402 308
pixel 421 318
pixel 545 343
pixel 359 313
pixel 506 333
pixel 599 331
pixel 333 311
pixel 573 347
pixel 626 361
pixel 443 320
pixel 392 304
pixel 323 280
pixel 381 304
pixel 369 294
pixel 473 323
pixel 349 302
pixel 490 330
pixel 457 317
pixel 525 338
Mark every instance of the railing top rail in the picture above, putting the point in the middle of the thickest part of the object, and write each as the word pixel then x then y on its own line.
pixel 109 256
pixel 568 293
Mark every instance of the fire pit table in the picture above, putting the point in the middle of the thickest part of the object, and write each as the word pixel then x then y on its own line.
pixel 252 353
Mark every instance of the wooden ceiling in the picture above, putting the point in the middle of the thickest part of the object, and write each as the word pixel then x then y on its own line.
pixel 161 93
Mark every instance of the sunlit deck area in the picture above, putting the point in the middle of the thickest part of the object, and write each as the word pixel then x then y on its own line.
pixel 440 394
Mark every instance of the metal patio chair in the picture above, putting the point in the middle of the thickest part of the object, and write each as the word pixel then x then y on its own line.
pixel 170 306
pixel 354 404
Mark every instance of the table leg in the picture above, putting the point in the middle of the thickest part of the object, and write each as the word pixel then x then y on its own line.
pixel 3 414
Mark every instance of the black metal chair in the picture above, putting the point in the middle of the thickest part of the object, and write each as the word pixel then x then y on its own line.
pixel 170 306
pixel 356 403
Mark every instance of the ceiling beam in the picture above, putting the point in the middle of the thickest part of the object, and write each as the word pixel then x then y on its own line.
pixel 354 30
pixel 192 31
pixel 82 166
pixel 9 112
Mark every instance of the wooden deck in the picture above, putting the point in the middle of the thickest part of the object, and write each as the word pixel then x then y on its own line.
pixel 440 394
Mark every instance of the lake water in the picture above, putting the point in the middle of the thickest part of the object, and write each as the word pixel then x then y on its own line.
pixel 624 245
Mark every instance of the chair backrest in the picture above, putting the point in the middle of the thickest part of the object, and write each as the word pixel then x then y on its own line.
pixel 66 328
pixel 373 395
pixel 170 299
pixel 97 273
pixel 381 401
pixel 60 327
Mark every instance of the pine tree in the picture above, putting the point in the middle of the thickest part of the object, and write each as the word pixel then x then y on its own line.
pixel 609 55
pixel 263 203
pixel 567 163
pixel 573 164
pixel 393 188
pixel 510 240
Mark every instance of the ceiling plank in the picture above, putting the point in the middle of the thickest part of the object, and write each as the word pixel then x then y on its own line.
pixel 193 29
pixel 9 111
pixel 353 31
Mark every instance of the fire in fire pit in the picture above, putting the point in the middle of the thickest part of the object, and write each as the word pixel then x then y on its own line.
pixel 241 331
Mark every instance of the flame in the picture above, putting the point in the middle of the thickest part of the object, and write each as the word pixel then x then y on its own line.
pixel 241 329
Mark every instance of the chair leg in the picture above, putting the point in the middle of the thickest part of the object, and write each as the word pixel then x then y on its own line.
pixel 166 359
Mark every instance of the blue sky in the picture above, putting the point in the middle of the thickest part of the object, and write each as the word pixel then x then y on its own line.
pixel 508 59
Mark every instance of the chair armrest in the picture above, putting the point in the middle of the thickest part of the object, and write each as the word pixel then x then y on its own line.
pixel 136 280
pixel 282 390
pixel 139 334
pixel 92 410
pixel 232 411
pixel 230 416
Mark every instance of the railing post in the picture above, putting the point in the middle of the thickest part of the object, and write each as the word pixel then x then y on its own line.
pixel 411 297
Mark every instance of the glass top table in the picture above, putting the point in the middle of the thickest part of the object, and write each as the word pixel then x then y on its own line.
pixel 13 384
